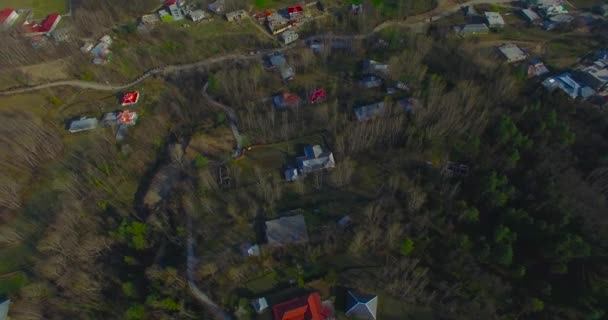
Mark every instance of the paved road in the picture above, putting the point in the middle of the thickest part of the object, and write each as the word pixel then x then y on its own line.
pixel 414 22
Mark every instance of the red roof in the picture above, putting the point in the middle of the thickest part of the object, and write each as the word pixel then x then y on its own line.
pixel 46 26
pixel 318 96
pixel 130 98
pixel 4 14
pixel 170 2
pixel 302 308
pixel 127 117
pixel 295 9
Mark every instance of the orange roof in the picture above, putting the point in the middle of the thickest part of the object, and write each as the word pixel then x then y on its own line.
pixel 302 308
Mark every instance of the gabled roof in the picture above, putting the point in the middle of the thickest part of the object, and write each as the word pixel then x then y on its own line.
pixel 130 98
pixel 361 306
pixel 83 124
pixel 530 15
pixel 295 9
pixel 302 308
pixel 5 14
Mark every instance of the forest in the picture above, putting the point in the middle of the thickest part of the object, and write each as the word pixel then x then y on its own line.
pixel 100 230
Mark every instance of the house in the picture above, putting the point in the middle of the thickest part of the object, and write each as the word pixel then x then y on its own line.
pixel 286 230
pixel 176 12
pixel 250 250
pixel 369 82
pixel 289 36
pixel 60 35
pixel 83 124
pixel 375 67
pixel 197 15
pixel 315 159
pixel 164 15
pixel 536 68
pixel 552 10
pixel 569 85
pixel 127 117
pixel 276 22
pixel 368 112
pixel 286 100
pixel 361 306
pixel 130 98
pixel 236 15
pixel 149 19
pixel 544 3
pixel 102 51
pixel 86 48
pixel 8 16
pixel 595 75
pixel 302 308
pixel 47 26
pixel 494 20
pixel 557 21
pixel 530 16
pixel 296 14
pixel 318 96
pixel 4 306
pixel 512 53
pixel 109 119
pixel 217 7
pixel 291 174
pixel 278 61
pixel 472 29
pixel 259 305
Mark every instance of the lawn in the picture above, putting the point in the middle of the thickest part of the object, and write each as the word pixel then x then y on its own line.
pixel 41 8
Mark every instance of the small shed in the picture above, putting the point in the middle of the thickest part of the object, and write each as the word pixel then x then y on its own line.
pixel 197 15
pixel 512 53
pixel 291 174
pixel 236 15
pixel 83 124
pixel 494 20
pixel 472 29
pixel 259 305
pixel 286 230
pixel 289 36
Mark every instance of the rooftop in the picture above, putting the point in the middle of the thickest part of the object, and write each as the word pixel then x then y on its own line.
pixel 361 306
pixel 83 124
pixel 369 111
pixel 494 19
pixel 286 230
pixel 130 98
pixel 512 52
pixel 302 308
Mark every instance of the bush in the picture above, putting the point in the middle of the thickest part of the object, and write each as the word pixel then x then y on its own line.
pixel 407 246
pixel 200 162
pixel 55 101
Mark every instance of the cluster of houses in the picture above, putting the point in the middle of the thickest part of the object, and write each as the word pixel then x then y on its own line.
pixel 173 10
pixel 101 51
pixel 315 158
pixel 589 80
pixel 292 230
pixel 282 22
pixel 119 120
pixel 288 100
pixel 278 61
pixel 38 31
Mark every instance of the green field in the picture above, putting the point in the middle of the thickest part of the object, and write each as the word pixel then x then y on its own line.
pixel 41 8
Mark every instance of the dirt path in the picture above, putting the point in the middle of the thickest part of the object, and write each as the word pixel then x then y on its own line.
pixel 232 117
pixel 413 22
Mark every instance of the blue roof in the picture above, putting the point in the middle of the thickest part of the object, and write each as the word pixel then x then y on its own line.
pixel 361 306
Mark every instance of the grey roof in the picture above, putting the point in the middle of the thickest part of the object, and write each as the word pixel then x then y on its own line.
pixel 289 36
pixel 371 82
pixel 494 19
pixel 286 230
pixel 83 124
pixel 217 6
pixel 279 61
pixel 594 75
pixel 512 52
pixel 259 305
pixel 4 306
pixel 476 28
pixel 314 159
pixel 369 112
pixel 236 14
pixel 530 15
pixel 197 15
pixel 361 306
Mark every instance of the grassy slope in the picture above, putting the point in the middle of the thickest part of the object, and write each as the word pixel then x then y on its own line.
pixel 41 7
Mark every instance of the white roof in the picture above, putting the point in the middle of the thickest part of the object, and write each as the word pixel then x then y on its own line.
pixel 512 52
pixel 494 18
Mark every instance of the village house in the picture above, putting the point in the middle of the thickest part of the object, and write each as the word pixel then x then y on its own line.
pixel 236 15
pixel 368 112
pixel 315 159
pixel 45 27
pixel 276 22
pixel 289 36
pixel 305 307
pixel 512 53
pixel 279 62
pixel 595 75
pixel 375 67
pixel 361 306
pixel 552 10
pixel 217 7
pixel 130 98
pixel 285 101
pixel 569 85
pixel 296 14
pixel 101 51
pixel 369 82
pixel 176 12
pixel 472 29
pixel 557 21
pixel 197 15
pixel 494 20
pixel 8 17
pixel 259 305
pixel 83 124
pixel 4 307
pixel 530 16
pixel 286 230
pixel 536 68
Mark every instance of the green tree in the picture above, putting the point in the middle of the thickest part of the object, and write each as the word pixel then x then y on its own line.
pixel 55 101
pixel 128 289
pixel 169 304
pixel 136 312
pixel 503 254
pixel 407 246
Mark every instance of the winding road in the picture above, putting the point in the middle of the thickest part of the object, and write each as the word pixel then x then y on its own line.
pixel 413 22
